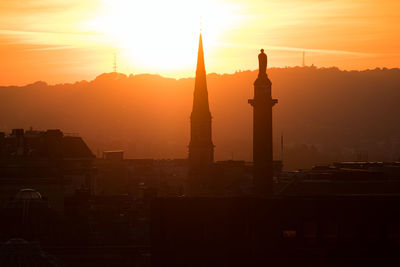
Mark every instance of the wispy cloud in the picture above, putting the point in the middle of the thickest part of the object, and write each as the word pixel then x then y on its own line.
pixel 321 51
pixel 27 32
pixel 50 48
pixel 53 39
pixel 294 49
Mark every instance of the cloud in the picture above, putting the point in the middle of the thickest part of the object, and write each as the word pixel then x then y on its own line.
pixel 321 51
pixel 294 49
pixel 50 48
pixel 62 40
pixel 34 6
pixel 30 32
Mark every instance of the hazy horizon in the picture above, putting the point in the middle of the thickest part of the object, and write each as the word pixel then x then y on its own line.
pixel 190 77
pixel 324 113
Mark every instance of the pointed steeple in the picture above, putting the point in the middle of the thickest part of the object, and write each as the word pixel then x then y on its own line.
pixel 201 148
pixel 200 100
pixel 201 69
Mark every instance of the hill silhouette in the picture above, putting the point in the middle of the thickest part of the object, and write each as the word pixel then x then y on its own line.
pixel 325 114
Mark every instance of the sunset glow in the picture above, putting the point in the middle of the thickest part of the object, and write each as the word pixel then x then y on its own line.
pixel 161 36
pixel 64 41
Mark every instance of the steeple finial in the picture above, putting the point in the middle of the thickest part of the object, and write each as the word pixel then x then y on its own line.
pixel 201 24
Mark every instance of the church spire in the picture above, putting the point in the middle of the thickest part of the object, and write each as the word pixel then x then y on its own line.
pixel 200 100
pixel 201 69
pixel 201 148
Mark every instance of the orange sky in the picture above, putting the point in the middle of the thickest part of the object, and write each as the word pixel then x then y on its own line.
pixel 67 40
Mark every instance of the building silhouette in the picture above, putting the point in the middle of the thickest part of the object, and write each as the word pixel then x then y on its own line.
pixel 347 230
pixel 262 129
pixel 53 163
pixel 201 147
pixel 113 211
pixel 341 215
pixel 19 252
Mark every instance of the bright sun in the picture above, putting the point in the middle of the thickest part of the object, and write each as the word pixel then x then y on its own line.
pixel 158 35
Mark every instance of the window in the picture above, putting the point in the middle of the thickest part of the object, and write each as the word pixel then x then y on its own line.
pixel 289 234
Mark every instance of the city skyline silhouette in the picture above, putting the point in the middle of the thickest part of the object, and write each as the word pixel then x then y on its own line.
pixel 129 138
pixel 358 132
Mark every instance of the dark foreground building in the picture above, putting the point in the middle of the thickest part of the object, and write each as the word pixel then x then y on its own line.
pixel 278 231
pixel 342 215
pixel 49 161
pixel 51 215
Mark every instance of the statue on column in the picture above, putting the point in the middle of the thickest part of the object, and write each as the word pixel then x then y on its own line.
pixel 262 63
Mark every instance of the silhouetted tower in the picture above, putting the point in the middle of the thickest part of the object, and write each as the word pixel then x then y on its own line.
pixel 201 148
pixel 262 130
